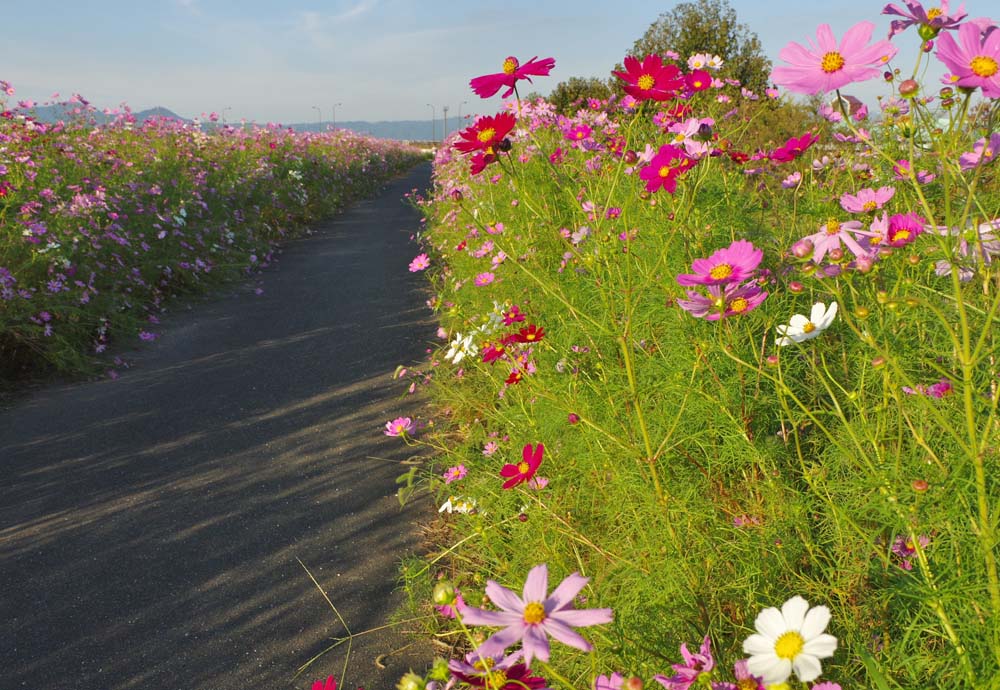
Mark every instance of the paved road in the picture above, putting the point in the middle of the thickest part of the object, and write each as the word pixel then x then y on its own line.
pixel 150 525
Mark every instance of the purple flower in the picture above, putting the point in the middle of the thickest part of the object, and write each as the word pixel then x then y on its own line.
pixel 744 679
pixel 936 18
pixel 723 301
pixel 453 474
pixel 832 233
pixel 983 151
pixel 734 264
pixel 529 619
pixel 688 673
pixel 400 426
pixel 934 390
pixel 905 549
pixel 613 683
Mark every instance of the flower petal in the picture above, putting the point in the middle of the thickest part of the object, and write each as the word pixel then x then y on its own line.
pixel 566 634
pixel 807 667
pixel 758 644
pixel 822 646
pixel 503 639
pixel 535 643
pixel 562 596
pixel 475 616
pixel 770 668
pixel 584 617
pixel 770 623
pixel 536 584
pixel 816 620
pixel 794 610
pixel 504 598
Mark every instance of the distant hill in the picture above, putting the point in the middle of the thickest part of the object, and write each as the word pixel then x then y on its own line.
pixel 405 130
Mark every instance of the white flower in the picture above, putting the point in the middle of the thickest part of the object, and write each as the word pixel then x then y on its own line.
pixel 458 505
pixel 801 328
pixel 790 639
pixel 715 62
pixel 460 348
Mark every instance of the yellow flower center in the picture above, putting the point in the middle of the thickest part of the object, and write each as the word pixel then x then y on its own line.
pixel 496 680
pixel 534 612
pixel 808 328
pixel 869 206
pixel 747 684
pixel 510 66
pixel 832 62
pixel 665 171
pixel 739 305
pixel 832 226
pixel 791 643
pixel 721 271
pixel 697 84
pixel 529 337
pixel 933 13
pixel 983 66
pixel 646 82
pixel 523 467
pixel 580 134
pixel 484 664
pixel 900 236
pixel 486 134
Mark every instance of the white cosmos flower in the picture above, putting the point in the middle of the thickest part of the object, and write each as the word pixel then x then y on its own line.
pixel 801 327
pixel 460 348
pixel 458 505
pixel 791 639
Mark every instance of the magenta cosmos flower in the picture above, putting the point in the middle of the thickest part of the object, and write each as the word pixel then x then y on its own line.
pixel 867 200
pixel 936 18
pixel 495 672
pixel 399 426
pixel 524 470
pixel 793 148
pixel 723 301
pixel 827 66
pixel 665 167
pixel 734 264
pixel 486 134
pixel 530 619
pixel 513 71
pixel 974 59
pixel 650 79
pixel 688 673
pixel 419 263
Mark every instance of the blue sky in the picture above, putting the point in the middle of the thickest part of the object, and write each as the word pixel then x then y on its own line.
pixel 379 59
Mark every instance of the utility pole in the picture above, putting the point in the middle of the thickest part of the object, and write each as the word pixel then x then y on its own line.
pixel 228 107
pixel 433 123
pixel 335 114
pixel 460 112
pixel 444 130
pixel 319 115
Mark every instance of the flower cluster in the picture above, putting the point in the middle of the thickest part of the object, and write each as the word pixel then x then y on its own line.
pixel 729 277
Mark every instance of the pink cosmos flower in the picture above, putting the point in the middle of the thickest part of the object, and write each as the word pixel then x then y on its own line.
pixel 524 470
pixel 419 263
pixel 793 148
pixel 530 619
pixel 490 448
pixel 734 264
pixel 905 549
pixel 329 684
pixel 513 71
pixel 983 151
pixel 578 133
pixel 650 79
pixel 936 18
pixel 827 66
pixel 938 390
pixel 974 60
pixel 688 673
pixel 453 474
pixel 833 232
pixel 665 167
pixel 900 229
pixel 484 279
pixel 867 200
pixel 901 171
pixel 613 682
pixel 399 426
pixel 792 180
pixel 723 301
pixel 744 679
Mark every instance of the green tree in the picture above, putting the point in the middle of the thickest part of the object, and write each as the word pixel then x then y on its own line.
pixel 709 26
pixel 567 96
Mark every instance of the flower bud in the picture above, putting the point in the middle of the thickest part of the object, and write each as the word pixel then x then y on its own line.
pixel 882 296
pixel 862 312
pixel 456 194
pixel 946 92
pixel 795 287
pixel 444 594
pixel 914 259
pixel 885 251
pixel 920 485
pixel 704 132
pixel 947 103
pixel 573 418
pixel 411 681
pixel 887 75
pixel 523 517
pixel 927 47
pixel 802 249
pixel 908 88
pixel 878 362
pixel 836 254
pixel 632 683
pixel 864 263
pixel 505 145
pixel 772 360
pixel 644 194
pixel 927 32
pixel 631 157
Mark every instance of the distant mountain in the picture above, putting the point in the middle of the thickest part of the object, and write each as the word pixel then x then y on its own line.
pixel 61 111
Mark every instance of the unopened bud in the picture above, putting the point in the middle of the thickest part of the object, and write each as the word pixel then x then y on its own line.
pixel 920 485
pixel 928 46
pixel 914 259
pixel 887 75
pixel 864 263
pixel 505 145
pixel 444 594
pixel 573 418
pixel 909 88
pixel 862 312
pixel 772 360
pixel 523 517
pixel 704 132
pixel 878 362
pixel 882 296
pixel 631 157
pixel 947 103
pixel 802 249
pixel 632 683
pixel 836 254
pixel 946 92
pixel 795 287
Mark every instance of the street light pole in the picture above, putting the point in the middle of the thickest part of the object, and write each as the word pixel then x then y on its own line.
pixel 319 121
pixel 228 107
pixel 335 114
pixel 433 123
pixel 460 112
pixel 444 129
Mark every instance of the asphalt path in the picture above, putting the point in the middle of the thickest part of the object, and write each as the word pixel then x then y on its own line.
pixel 151 527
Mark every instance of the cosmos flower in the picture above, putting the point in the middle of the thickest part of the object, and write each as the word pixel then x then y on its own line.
pixel 801 328
pixel 688 673
pixel 788 640
pixel 453 474
pixel 826 66
pixel 734 264
pixel 513 71
pixel 936 18
pixel 793 148
pixel 400 426
pixel 650 79
pixel 329 684
pixel 419 263
pixel 458 505
pixel 983 151
pixel 485 134
pixel 867 200
pixel 974 59
pixel 530 618
pixel 833 232
pixel 524 470
pixel 723 301
pixel 529 334
pixel 665 167
pixel 460 348
pixel 496 672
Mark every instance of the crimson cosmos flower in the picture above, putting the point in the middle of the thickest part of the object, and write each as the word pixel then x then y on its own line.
pixel 486 134
pixel 665 167
pixel 488 84
pixel 531 334
pixel 650 79
pixel 793 148
pixel 524 470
